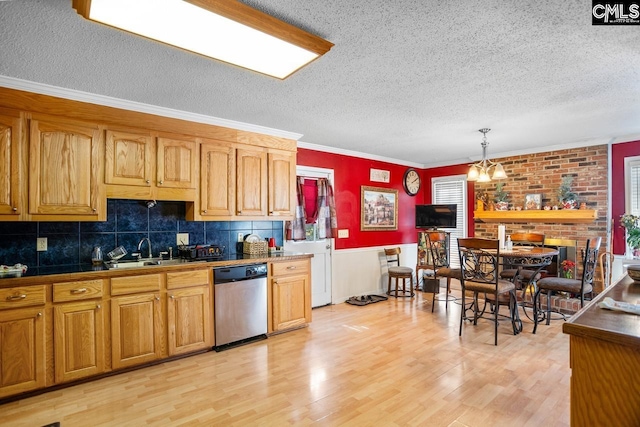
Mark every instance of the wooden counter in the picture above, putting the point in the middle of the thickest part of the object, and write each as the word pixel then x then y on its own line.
pixel 605 361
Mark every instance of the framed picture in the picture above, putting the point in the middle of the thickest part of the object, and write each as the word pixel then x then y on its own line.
pixel 532 201
pixel 378 209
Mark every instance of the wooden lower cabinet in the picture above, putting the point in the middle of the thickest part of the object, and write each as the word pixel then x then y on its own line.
pixel 22 350
pixel 189 320
pixel 290 294
pixel 79 340
pixel 137 329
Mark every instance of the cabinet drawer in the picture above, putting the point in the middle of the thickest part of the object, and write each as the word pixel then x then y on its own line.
pixel 75 291
pixel 185 279
pixel 134 284
pixel 290 267
pixel 22 297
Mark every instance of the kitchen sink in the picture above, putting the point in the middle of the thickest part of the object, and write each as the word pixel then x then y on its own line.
pixel 145 262
pixel 130 264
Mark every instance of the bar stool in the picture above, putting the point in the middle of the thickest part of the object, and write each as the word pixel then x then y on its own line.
pixel 398 272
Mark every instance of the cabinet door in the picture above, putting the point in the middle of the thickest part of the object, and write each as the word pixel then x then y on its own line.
pixel 78 338
pixel 189 319
pixel 291 301
pixel 9 166
pixel 129 158
pixel 282 177
pixel 64 169
pixel 22 350
pixel 176 163
pixel 217 179
pixel 136 329
pixel 251 175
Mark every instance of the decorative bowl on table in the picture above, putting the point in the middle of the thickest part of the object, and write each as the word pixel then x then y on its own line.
pixel 634 272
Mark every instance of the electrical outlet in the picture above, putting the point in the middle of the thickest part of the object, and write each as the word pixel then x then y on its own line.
pixel 182 239
pixel 240 237
pixel 41 244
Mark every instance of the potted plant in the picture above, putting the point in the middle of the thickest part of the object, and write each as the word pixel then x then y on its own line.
pixel 501 197
pixel 632 224
pixel 566 197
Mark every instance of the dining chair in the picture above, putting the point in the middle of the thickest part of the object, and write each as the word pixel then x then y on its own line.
pixel 438 242
pixel 521 275
pixel 479 274
pixel 551 285
pixel 397 272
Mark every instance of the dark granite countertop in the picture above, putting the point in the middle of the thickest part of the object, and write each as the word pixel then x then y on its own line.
pixel 39 275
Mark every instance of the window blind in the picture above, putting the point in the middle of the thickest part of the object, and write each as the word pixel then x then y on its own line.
pixel 453 190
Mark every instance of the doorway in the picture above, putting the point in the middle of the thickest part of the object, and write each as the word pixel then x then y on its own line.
pixel 320 248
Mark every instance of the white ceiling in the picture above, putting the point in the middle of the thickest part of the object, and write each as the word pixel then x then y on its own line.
pixel 411 80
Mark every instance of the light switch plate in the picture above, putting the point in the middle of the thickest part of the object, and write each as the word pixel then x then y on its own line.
pixel 41 244
pixel 240 237
pixel 182 239
pixel 343 234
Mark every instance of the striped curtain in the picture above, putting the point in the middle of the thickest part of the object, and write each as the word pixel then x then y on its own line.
pixel 296 228
pixel 327 219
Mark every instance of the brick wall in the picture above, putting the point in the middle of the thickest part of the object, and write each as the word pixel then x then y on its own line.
pixel 542 173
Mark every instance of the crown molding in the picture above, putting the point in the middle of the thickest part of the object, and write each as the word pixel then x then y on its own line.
pixel 344 152
pixel 107 101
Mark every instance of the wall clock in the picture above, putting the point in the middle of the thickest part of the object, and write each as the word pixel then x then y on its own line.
pixel 411 182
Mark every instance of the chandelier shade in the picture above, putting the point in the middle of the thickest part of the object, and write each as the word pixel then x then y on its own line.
pixel 479 172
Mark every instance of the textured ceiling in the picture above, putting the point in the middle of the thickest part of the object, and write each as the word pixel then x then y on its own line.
pixel 411 80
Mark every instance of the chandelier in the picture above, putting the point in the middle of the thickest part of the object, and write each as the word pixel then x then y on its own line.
pixel 480 171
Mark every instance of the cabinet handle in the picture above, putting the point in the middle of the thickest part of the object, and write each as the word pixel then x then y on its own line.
pixel 239 212
pixel 204 211
pixel 98 307
pixel 16 297
pixel 39 314
pixel 147 181
pixel 161 182
pixel 157 298
pixel 172 297
pixel 79 291
pixel 15 209
pixel 291 267
pixel 275 281
pixel 94 209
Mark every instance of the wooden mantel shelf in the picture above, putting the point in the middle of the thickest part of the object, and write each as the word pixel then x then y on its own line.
pixel 559 216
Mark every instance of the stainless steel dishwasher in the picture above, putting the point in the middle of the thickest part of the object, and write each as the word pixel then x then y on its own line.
pixel 240 308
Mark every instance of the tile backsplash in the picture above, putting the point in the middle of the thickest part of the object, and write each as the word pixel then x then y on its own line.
pixel 128 221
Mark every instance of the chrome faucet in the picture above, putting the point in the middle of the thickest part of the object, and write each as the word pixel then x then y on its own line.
pixel 140 245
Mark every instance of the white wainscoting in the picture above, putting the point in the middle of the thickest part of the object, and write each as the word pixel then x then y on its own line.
pixel 363 271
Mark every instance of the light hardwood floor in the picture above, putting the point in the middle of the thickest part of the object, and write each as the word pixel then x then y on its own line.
pixel 393 363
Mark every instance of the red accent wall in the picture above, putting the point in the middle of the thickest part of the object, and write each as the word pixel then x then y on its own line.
pixel 618 154
pixel 431 173
pixel 350 173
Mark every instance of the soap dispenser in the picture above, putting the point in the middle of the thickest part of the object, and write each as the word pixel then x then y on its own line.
pixel 508 245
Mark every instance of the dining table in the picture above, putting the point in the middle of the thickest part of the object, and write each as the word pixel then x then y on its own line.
pixel 534 258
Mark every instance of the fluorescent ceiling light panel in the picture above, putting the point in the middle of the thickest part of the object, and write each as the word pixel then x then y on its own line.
pixel 221 29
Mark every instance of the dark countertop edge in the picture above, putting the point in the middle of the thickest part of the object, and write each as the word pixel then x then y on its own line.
pixel 578 325
pixel 9 282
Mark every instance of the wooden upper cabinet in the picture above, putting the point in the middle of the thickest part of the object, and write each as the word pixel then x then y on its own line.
pixel 217 179
pixel 251 186
pixel 282 176
pixel 177 163
pixel 128 158
pixel 65 165
pixel 10 173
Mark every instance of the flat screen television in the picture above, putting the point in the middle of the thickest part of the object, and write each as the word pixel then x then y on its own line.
pixel 436 216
